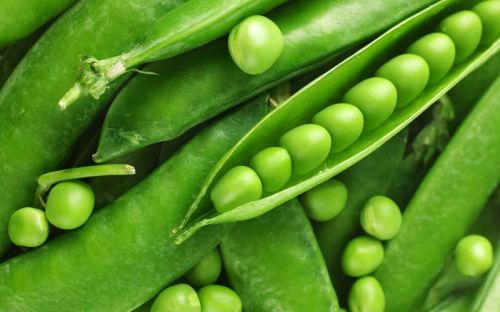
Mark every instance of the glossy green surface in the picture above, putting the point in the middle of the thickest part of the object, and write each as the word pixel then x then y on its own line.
pixel 274 167
pixel 218 298
pixel 487 298
pixel 28 227
pixel 366 295
pixel 362 256
pixel 207 271
pixel 255 44
pixel 473 255
pixel 177 298
pixel 325 201
pixel 381 217
pixel 489 13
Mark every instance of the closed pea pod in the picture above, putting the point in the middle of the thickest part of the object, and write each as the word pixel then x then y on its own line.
pixel 362 256
pixel 28 227
pixel 366 295
pixel 207 271
pixel 473 255
pixel 274 167
pixel 325 201
pixel 177 298
pixel 218 298
pixel 489 13
pixel 381 217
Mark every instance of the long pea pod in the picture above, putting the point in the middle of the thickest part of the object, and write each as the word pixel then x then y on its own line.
pixel 287 272
pixel 36 135
pixel 315 31
pixel 325 90
pixel 444 206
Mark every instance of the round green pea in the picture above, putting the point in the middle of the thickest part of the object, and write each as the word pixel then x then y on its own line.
pixel 308 145
pixel 274 167
pixel 362 256
pixel 69 204
pixel 381 217
pixel 217 298
pixel 409 73
pixel 465 30
pixel 438 50
pixel 255 44
pixel 343 121
pixel 177 298
pixel 207 271
pixel 238 186
pixel 489 13
pixel 376 98
pixel 325 201
pixel 473 255
pixel 366 295
pixel 28 227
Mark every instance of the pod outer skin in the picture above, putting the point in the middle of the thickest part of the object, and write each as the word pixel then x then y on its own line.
pixel 35 135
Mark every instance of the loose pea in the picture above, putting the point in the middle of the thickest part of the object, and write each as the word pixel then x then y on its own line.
pixel 343 121
pixel 409 73
pixel 366 295
pixel 325 201
pixel 28 227
pixel 255 44
pixel 308 145
pixel 489 13
pixel 473 255
pixel 381 217
pixel 274 167
pixel 238 186
pixel 465 29
pixel 177 298
pixel 217 298
pixel 362 256
pixel 376 98
pixel 438 50
pixel 69 204
pixel 207 271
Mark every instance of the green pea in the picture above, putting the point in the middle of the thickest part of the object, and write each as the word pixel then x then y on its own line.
pixel 325 201
pixel 489 13
pixel 255 44
pixel 366 295
pixel 465 30
pixel 362 256
pixel 343 121
pixel 381 217
pixel 207 271
pixel 376 98
pixel 177 298
pixel 409 73
pixel 238 186
pixel 438 50
pixel 69 204
pixel 308 145
pixel 274 167
pixel 473 255
pixel 217 298
pixel 28 227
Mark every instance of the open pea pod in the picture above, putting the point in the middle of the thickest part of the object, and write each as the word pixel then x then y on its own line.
pixel 326 90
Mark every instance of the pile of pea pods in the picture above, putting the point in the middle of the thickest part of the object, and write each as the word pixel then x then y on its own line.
pixel 253 155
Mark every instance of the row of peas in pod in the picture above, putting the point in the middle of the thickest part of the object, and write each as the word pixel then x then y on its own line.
pixel 364 107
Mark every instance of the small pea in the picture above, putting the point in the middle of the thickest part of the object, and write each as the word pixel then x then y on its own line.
pixel 274 167
pixel 489 13
pixel 255 44
pixel 28 227
pixel 376 98
pixel 69 204
pixel 325 201
pixel 177 298
pixel 473 255
pixel 308 145
pixel 438 50
pixel 238 186
pixel 343 121
pixel 366 295
pixel 207 271
pixel 465 30
pixel 409 73
pixel 217 298
pixel 381 217
pixel 362 256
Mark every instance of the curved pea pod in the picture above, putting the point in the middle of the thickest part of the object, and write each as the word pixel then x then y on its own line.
pixel 432 224
pixel 288 273
pixel 90 260
pixel 315 33
pixel 323 91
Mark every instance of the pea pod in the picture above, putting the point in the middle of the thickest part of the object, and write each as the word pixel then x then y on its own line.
pixel 432 224
pixel 262 276
pixel 164 98
pixel 329 88
pixel 90 260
